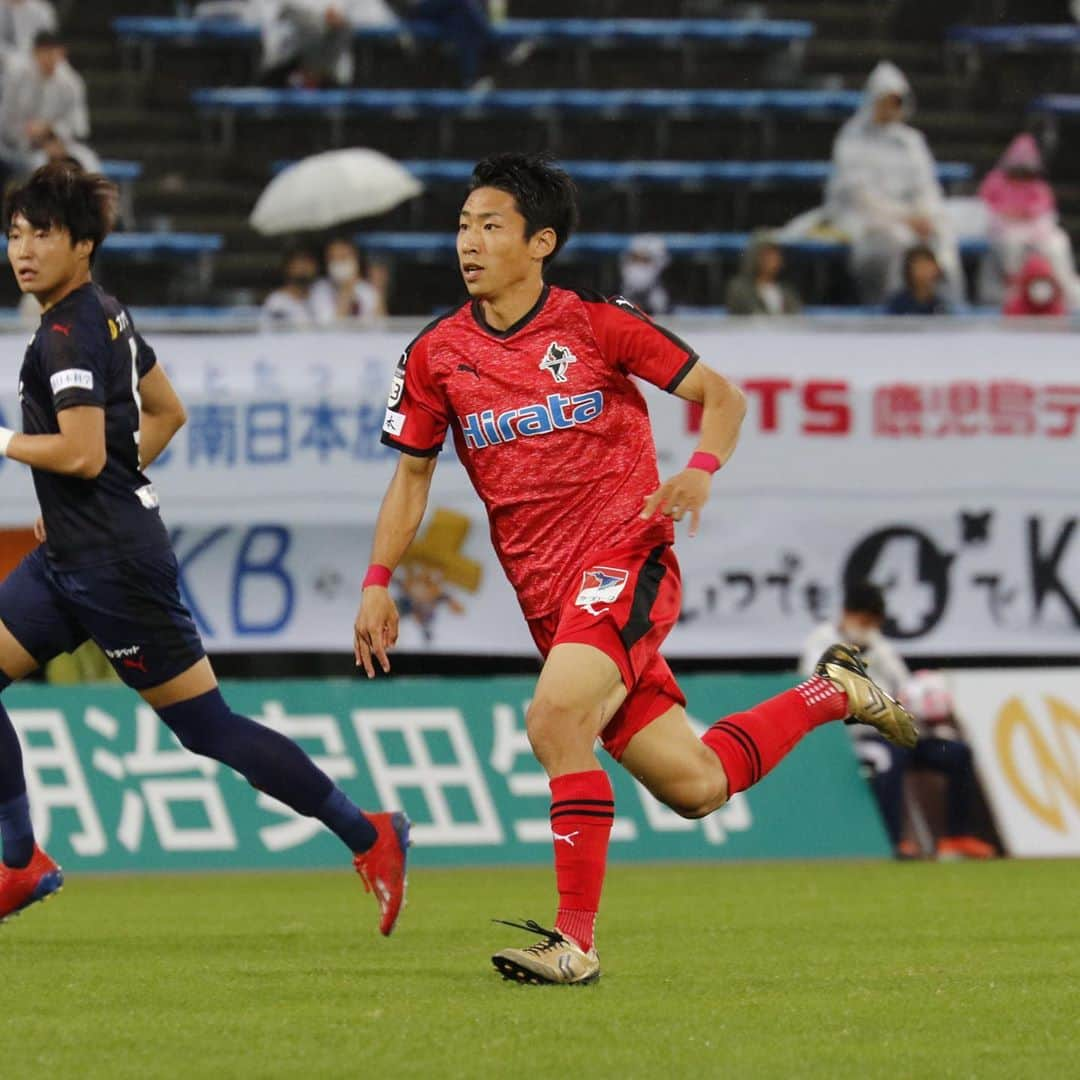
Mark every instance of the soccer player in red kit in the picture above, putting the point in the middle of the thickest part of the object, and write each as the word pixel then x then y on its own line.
pixel 535 383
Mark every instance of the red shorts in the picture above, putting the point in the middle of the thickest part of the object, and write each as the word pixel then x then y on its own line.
pixel 623 602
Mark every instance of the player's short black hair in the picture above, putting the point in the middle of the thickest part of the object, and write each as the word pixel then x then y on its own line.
pixel 544 194
pixel 865 598
pixel 63 195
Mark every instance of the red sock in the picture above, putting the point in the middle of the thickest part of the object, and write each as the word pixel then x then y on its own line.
pixel 582 810
pixel 750 744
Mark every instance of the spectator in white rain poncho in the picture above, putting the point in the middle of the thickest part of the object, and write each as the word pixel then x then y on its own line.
pixel 884 193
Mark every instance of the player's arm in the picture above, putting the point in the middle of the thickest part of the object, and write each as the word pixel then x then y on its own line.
pixel 78 450
pixel 723 407
pixel 161 415
pixel 402 510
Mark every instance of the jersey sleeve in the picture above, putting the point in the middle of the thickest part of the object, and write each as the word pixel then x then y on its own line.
pixel 416 412
pixel 75 365
pixel 633 342
pixel 145 357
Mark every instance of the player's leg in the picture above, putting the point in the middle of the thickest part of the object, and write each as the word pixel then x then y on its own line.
pixel 579 690
pixel 33 629
pixel 192 705
pixel 16 829
pixel 150 637
pixel 952 758
pixel 748 745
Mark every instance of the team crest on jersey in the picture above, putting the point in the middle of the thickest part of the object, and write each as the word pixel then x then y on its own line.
pixel 556 360
pixel 601 585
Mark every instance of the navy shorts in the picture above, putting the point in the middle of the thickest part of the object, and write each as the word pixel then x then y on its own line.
pixel 131 608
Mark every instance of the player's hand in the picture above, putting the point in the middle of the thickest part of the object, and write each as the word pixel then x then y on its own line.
pixel 39 530
pixel 375 630
pixel 681 495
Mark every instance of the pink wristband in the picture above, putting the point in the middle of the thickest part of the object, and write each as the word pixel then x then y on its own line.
pixel 377 575
pixel 699 459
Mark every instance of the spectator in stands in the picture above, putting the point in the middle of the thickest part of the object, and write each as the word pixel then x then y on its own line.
pixel 308 43
pixel 20 23
pixel 884 191
pixel 54 148
pixel 1023 219
pixel 641 271
pixel 43 97
pixel 922 282
pixel 860 623
pixel 758 289
pixel 346 292
pixel 1035 290
pixel 290 307
pixel 466 25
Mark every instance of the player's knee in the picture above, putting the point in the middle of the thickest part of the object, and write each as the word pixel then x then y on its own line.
pixel 698 796
pixel 699 801
pixel 195 738
pixel 554 726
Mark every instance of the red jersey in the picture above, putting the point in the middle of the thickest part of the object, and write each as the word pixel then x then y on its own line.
pixel 551 428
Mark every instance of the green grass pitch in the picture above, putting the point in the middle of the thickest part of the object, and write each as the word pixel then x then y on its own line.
pixel 786 970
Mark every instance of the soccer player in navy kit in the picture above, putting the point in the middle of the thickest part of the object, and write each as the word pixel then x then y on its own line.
pixel 97 409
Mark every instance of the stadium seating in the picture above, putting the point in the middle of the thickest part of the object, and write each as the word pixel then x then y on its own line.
pixel 548 107
pixel 676 173
pixel 1017 38
pixel 717 125
pixel 699 245
pixel 191 31
pixel 583 37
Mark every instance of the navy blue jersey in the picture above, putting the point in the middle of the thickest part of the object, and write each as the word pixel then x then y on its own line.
pixel 86 352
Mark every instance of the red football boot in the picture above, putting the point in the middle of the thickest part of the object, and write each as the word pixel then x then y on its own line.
pixel 382 866
pixel 965 847
pixel 23 886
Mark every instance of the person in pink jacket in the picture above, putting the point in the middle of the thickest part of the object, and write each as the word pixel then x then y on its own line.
pixel 1023 220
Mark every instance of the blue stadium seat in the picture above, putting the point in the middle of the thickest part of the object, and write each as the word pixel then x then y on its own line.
pixel 162 244
pixel 190 31
pixel 226 104
pixel 1057 104
pixel 429 245
pixel 122 172
pixel 1018 38
pixel 669 173
pixel 256 99
pixel 673 173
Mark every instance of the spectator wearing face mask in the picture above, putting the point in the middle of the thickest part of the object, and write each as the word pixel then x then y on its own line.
pixel 1035 290
pixel 921 294
pixel 641 269
pixel 884 192
pixel 1023 216
pixel 346 293
pixel 859 623
pixel 758 289
pixel 289 307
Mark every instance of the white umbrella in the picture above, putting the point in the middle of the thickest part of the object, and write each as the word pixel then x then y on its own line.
pixel 327 189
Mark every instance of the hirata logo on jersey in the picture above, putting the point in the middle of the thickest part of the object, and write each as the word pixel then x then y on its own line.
pixel 558 413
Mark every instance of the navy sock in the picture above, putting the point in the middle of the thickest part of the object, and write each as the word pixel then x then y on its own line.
pixel 341 815
pixel 268 761
pixel 16 831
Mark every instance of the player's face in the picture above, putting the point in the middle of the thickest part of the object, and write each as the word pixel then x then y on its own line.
pixel 493 252
pixel 44 260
